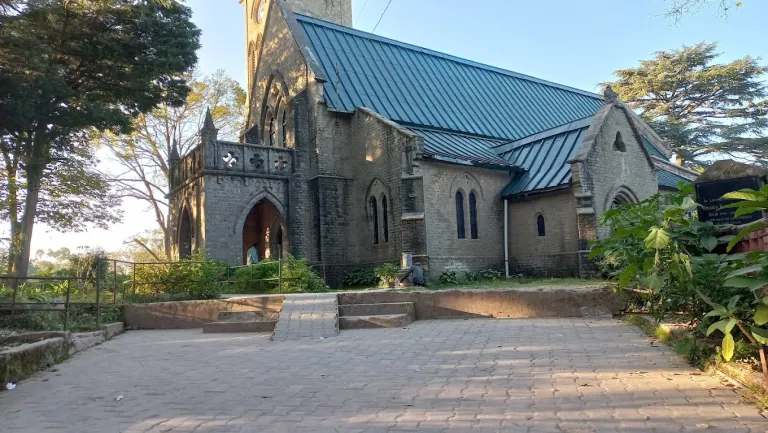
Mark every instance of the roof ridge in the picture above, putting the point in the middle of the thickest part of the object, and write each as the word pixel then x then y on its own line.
pixel 555 130
pixel 454 132
pixel 446 56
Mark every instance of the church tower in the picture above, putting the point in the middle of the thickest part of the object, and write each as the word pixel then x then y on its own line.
pixel 257 13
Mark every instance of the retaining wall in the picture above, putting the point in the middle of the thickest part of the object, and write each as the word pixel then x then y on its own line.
pixel 194 314
pixel 497 303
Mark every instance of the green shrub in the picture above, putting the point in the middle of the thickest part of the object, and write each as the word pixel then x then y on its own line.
pixel 449 277
pixel 387 273
pixel 360 277
pixel 473 277
pixel 491 274
pixel 259 278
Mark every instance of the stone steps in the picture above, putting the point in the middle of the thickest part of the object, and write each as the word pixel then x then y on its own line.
pixel 381 315
pixel 242 321
pixel 377 321
pixel 376 309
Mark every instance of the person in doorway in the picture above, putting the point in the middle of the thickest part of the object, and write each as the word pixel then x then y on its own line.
pixel 252 256
pixel 417 275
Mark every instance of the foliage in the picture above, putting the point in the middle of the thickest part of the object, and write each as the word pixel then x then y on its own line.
pixel 144 154
pixel 449 276
pixel 70 68
pixel 195 276
pixel 699 106
pixel 387 272
pixel 264 277
pixel 651 247
pixel 360 277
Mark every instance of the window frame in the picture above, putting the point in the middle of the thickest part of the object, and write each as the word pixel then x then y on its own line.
pixel 473 234
pixel 461 231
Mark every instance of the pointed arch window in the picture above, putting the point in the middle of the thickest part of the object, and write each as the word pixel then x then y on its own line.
pixel 460 215
pixel 473 215
pixel 540 226
pixel 375 214
pixel 385 217
pixel 284 128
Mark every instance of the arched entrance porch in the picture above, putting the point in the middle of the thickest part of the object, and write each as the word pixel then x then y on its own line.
pixel 265 227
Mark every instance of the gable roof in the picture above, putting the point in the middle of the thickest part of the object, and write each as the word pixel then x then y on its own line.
pixel 418 87
pixel 461 148
pixel 669 180
pixel 545 157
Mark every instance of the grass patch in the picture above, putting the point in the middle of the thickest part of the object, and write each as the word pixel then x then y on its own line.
pixel 513 283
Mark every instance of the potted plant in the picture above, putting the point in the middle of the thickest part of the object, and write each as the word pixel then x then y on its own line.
pixel 387 273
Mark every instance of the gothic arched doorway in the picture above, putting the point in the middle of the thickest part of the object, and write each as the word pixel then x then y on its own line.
pixel 185 234
pixel 265 227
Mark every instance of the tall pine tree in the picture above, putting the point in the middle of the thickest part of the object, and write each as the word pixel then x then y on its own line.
pixel 703 108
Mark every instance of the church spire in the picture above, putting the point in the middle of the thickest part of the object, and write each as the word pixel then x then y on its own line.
pixel 174 156
pixel 208 123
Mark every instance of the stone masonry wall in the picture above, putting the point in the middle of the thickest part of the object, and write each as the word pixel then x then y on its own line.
pixel 445 249
pixel 373 161
pixel 611 171
pixel 190 196
pixel 555 253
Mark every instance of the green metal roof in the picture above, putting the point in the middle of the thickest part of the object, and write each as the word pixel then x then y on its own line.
pixel 418 87
pixel 461 148
pixel 545 157
pixel 653 150
pixel 670 180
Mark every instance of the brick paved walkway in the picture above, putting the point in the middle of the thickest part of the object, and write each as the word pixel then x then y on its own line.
pixel 308 316
pixel 537 375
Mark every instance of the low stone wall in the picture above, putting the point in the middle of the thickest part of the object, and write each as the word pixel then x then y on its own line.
pixel 508 303
pixel 194 314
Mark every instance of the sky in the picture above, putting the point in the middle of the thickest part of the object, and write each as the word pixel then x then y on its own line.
pixel 578 43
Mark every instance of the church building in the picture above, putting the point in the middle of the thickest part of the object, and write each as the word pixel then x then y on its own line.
pixel 359 148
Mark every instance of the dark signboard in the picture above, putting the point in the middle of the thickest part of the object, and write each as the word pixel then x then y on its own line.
pixel 708 196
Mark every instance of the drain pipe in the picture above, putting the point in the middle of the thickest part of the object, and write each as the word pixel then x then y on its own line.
pixel 506 237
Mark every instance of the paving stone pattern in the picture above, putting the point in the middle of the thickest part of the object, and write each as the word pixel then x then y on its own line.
pixel 308 316
pixel 525 375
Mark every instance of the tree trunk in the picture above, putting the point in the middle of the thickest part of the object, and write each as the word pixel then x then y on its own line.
pixel 28 221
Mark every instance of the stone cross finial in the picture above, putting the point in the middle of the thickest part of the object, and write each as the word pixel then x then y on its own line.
pixel 609 95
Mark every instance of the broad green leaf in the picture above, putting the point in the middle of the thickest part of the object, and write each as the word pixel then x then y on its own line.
pixel 732 302
pixel 728 347
pixel 746 282
pixel 730 325
pixel 718 325
pixel 761 314
pixel 765 300
pixel 709 242
pixel 655 282
pixel 761 335
pixel 596 252
pixel 744 194
pixel 657 239
pixel 686 260
pixel 742 234
pixel 747 210
pixel 748 203
pixel 717 312
pixel 745 271
pixel 627 275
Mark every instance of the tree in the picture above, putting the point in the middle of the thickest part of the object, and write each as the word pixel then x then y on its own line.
pixel 144 154
pixel 72 67
pixel 679 8
pixel 701 107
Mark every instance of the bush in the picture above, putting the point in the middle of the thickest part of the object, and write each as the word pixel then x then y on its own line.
pixel 387 273
pixel 264 278
pixel 361 277
pixel 449 277
pixel 195 276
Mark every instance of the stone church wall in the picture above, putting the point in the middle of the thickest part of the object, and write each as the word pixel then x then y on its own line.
pixel 192 197
pixel 445 249
pixel 555 253
pixel 373 161
pixel 614 171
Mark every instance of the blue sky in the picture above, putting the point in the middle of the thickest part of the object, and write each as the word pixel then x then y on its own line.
pixel 573 42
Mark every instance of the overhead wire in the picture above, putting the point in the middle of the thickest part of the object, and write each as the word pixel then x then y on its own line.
pixel 381 17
